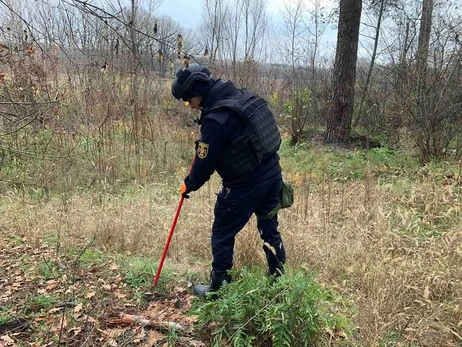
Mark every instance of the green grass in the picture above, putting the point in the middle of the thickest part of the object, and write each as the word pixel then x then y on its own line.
pixel 92 257
pixel 15 239
pixel 42 302
pixel 113 167
pixel 48 270
pixel 139 271
pixel 4 316
pixel 339 164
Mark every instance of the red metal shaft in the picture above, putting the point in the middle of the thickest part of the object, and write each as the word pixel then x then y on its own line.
pixel 167 243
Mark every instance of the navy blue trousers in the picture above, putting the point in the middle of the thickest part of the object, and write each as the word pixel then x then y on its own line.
pixel 233 209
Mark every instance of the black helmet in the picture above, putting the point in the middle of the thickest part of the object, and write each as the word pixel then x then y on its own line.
pixel 190 81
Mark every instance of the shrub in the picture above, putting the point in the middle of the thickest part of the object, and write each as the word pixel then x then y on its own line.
pixel 292 311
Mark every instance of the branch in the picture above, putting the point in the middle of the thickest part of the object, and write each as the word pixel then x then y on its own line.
pixel 91 9
pixel 31 28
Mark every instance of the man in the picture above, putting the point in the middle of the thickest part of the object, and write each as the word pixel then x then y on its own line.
pixel 239 140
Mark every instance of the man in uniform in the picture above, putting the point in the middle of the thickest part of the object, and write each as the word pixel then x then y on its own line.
pixel 239 140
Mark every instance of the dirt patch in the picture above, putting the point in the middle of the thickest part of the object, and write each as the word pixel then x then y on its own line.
pixel 49 297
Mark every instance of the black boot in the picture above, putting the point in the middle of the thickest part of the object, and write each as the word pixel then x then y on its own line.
pixel 215 283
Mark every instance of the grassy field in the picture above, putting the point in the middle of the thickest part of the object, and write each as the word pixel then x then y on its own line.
pixel 375 227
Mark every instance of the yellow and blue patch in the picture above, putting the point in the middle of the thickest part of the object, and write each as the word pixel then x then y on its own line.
pixel 202 150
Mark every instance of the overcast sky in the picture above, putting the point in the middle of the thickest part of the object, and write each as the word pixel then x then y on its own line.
pixel 188 13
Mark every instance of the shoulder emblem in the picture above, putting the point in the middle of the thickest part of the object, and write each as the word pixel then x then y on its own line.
pixel 202 150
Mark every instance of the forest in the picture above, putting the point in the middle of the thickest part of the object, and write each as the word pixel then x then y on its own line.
pixel 367 95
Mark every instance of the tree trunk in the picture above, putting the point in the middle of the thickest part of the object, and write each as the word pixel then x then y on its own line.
pixel 422 50
pixel 426 123
pixel 341 108
pixel 371 65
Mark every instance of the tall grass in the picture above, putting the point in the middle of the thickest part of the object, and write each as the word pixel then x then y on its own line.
pixel 380 230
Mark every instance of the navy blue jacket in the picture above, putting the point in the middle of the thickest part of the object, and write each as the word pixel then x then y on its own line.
pixel 217 131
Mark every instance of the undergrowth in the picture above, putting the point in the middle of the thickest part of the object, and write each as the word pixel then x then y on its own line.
pixel 256 310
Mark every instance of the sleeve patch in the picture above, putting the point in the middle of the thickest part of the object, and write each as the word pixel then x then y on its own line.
pixel 202 150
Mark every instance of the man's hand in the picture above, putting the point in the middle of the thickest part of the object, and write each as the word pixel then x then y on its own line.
pixel 184 191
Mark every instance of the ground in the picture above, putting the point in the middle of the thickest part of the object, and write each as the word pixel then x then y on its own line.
pixel 50 297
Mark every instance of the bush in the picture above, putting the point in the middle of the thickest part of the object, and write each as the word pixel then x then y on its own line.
pixel 292 311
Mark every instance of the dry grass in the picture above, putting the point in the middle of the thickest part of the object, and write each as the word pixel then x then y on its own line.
pixel 394 251
pixel 380 248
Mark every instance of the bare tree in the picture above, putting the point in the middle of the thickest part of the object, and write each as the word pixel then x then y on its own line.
pixel 232 37
pixel 295 108
pixel 304 24
pixel 213 26
pixel 255 24
pixel 378 27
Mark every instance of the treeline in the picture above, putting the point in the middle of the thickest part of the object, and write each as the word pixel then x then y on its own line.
pixel 394 74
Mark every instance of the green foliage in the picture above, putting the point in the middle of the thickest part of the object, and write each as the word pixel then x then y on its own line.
pixel 43 301
pixel 139 272
pixel 301 97
pixel 4 316
pixel 92 257
pixel 291 311
pixel 296 113
pixel 48 270
pixel 15 239
pixel 172 336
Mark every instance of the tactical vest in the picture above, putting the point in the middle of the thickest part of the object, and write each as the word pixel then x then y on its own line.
pixel 261 138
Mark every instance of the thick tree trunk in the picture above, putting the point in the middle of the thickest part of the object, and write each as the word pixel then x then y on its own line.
pixel 341 108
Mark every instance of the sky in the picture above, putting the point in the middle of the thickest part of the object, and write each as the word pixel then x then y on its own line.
pixel 188 12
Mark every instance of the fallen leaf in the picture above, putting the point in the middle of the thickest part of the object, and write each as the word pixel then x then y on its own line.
pixel 114 267
pixel 61 324
pixel 140 336
pixel 16 286
pixel 154 337
pixel 112 333
pixel 51 285
pixel 89 319
pixel 90 295
pixel 119 295
pixel 40 318
pixel 78 308
pixel 76 331
pixel 55 309
pixel 7 340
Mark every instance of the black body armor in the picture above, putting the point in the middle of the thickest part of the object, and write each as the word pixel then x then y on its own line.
pixel 261 138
